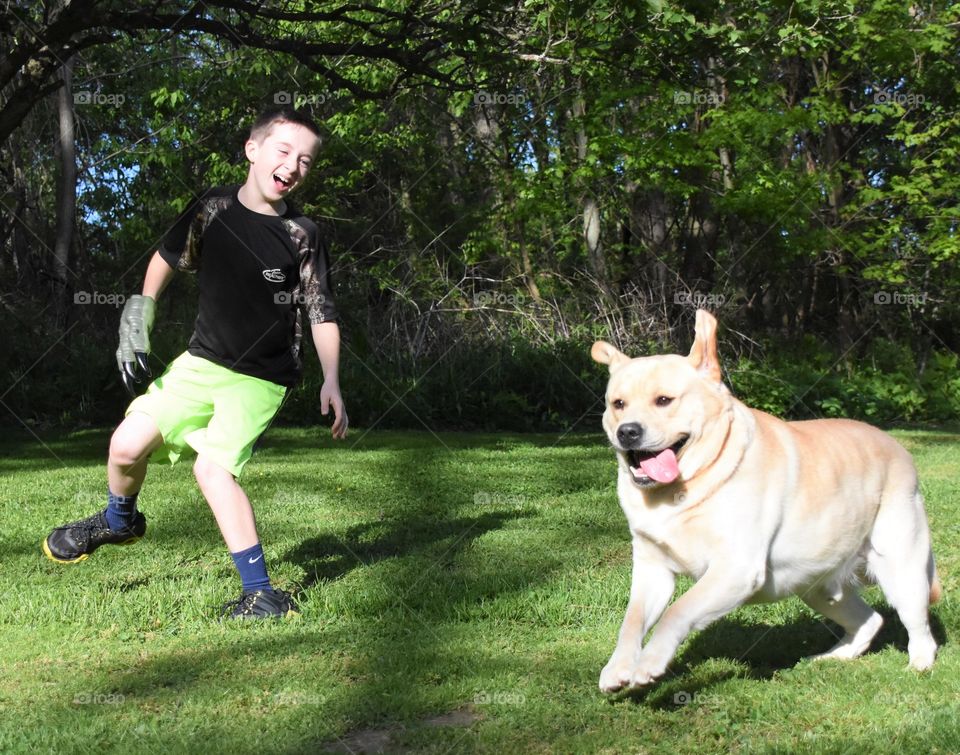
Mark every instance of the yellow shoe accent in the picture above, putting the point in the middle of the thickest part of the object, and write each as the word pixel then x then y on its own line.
pixel 82 556
pixel 48 554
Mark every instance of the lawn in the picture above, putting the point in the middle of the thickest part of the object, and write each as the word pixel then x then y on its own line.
pixel 460 593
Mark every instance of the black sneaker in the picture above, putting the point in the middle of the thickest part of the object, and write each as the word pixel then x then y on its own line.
pixel 261 604
pixel 75 541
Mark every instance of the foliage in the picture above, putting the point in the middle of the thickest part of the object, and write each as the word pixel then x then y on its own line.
pixel 597 171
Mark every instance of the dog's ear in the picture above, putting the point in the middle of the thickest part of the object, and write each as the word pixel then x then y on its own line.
pixel 606 353
pixel 703 354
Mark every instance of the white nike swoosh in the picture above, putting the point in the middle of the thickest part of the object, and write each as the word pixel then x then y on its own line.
pixel 254 560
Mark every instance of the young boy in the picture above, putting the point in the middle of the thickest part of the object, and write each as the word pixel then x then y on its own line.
pixel 260 264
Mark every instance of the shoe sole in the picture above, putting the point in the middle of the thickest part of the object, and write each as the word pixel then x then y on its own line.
pixel 82 557
pixel 291 614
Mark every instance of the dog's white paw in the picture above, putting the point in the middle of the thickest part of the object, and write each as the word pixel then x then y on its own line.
pixel 615 676
pixel 853 645
pixel 922 652
pixel 647 671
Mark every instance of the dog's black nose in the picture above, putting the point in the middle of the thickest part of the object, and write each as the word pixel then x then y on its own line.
pixel 629 434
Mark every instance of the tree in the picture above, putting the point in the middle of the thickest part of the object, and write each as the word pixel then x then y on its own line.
pixel 40 37
pixel 507 178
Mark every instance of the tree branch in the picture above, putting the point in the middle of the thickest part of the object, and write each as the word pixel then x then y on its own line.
pixel 415 42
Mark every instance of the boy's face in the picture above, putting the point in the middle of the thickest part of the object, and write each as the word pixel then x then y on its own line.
pixel 280 162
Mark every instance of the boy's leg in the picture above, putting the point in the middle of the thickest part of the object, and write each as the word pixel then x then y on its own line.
pixel 120 523
pixel 229 504
pixel 244 407
pixel 130 448
pixel 234 514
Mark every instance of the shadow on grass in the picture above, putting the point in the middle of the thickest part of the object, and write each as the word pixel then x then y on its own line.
pixel 403 629
pixel 21 451
pixel 761 651
pixel 361 441
pixel 332 556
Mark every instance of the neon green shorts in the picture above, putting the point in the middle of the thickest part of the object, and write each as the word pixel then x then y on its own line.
pixel 213 410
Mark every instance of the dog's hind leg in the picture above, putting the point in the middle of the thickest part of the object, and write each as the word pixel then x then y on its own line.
pixel 859 621
pixel 901 561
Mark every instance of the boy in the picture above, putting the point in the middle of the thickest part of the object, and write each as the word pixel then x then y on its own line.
pixel 259 263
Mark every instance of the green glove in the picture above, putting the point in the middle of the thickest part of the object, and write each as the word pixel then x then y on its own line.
pixel 135 324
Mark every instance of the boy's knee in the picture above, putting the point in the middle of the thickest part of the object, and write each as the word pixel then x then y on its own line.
pixel 201 470
pixel 134 440
pixel 126 451
pixel 206 471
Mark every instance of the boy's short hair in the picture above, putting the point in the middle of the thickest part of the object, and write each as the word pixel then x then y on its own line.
pixel 284 114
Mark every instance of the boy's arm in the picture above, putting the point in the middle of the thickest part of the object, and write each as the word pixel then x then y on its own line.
pixel 159 274
pixel 326 339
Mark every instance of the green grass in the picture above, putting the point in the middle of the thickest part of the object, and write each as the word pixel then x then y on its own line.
pixel 482 576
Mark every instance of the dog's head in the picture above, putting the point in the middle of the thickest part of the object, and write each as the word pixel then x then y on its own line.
pixel 659 408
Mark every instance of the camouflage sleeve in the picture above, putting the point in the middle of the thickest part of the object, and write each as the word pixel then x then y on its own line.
pixel 315 287
pixel 181 246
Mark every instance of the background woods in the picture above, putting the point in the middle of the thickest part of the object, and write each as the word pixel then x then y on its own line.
pixel 502 183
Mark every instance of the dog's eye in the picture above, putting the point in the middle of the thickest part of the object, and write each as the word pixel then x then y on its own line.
pixel 663 401
pixel 617 403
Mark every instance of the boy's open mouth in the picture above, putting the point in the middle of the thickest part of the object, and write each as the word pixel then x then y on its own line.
pixel 281 183
pixel 651 467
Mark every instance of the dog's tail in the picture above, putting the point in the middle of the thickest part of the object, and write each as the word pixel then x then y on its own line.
pixel 936 592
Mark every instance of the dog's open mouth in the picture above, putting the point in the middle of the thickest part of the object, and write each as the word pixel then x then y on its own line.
pixel 652 467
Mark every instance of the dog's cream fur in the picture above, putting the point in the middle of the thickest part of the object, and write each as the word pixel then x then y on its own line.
pixel 762 509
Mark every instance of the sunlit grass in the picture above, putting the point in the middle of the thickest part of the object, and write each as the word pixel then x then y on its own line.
pixel 479 574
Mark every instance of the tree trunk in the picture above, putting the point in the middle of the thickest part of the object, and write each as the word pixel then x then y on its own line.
pixel 650 220
pixel 66 188
pixel 591 210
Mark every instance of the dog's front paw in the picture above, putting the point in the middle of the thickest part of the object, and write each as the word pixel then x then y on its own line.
pixel 646 672
pixel 615 676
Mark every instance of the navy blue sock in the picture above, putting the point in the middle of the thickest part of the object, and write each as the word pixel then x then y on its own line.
pixel 121 510
pixel 253 571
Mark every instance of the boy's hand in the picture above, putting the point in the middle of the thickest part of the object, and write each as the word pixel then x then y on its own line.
pixel 135 324
pixel 330 396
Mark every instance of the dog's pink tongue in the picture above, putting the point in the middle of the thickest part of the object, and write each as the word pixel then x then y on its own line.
pixel 662 467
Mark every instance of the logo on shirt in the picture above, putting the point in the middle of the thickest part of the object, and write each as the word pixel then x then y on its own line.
pixel 274 276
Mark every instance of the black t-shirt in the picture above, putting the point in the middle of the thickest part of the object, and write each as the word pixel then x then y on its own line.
pixel 257 275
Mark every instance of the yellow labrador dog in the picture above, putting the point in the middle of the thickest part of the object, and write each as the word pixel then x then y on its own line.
pixel 755 509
